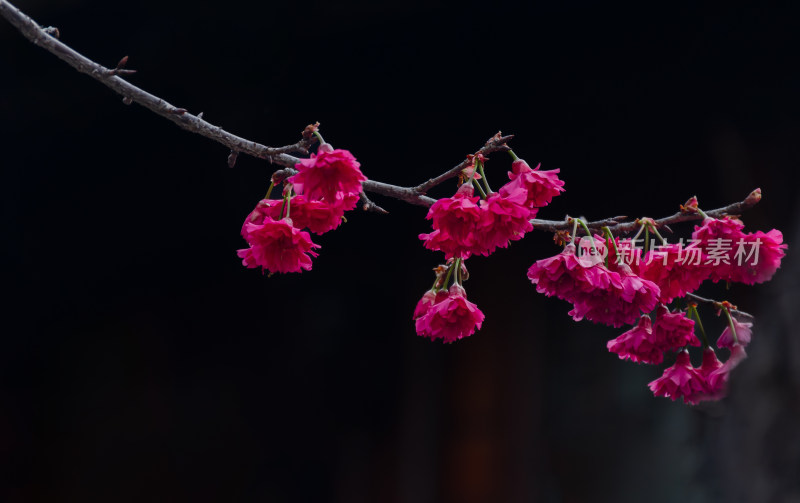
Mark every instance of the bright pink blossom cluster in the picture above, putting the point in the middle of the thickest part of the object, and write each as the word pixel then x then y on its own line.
pixel 617 284
pixel 465 225
pixel 325 186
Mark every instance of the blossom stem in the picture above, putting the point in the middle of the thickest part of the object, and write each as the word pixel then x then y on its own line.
pixel 513 155
pixel 610 237
pixel 638 233
pixel 478 186
pixel 574 230
pixel 457 265
pixel 588 233
pixel 730 323
pixel 693 311
pixel 447 278
pixel 646 237
pixel 658 235
pixel 269 190
pixel 483 176
pixel 319 137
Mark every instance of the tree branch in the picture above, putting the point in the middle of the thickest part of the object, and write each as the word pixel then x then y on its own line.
pixel 47 39
pixel 36 34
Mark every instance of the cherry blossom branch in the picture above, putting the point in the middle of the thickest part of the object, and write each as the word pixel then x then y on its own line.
pixel 47 38
pixel 616 224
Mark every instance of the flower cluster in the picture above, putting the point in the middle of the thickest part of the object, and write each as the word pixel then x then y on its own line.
pixel 611 281
pixel 467 224
pixel 325 186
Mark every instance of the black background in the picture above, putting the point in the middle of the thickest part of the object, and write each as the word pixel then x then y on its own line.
pixel 141 362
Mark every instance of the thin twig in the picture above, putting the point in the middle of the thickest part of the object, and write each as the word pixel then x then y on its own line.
pixel 36 34
pixel 714 302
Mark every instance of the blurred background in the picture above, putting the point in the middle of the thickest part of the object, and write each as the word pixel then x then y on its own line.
pixel 141 362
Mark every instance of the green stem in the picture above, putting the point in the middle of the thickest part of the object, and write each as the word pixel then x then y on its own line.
pixel 589 233
pixel 574 230
pixel 513 155
pixel 607 233
pixel 447 278
pixel 702 213
pixel 655 231
pixel 646 238
pixel 319 137
pixel 483 177
pixel 457 265
pixel 730 324
pixel 269 190
pixel 693 310
pixel 478 186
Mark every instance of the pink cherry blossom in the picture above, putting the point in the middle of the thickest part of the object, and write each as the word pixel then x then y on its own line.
pixel 621 302
pixel 327 173
pixel 266 208
pixel 736 257
pixel 428 300
pixel 674 330
pixel 638 344
pixel 451 319
pixel 277 246
pixel 744 331
pixel 679 381
pixel 674 271
pixel 503 218
pixel 320 216
pixel 710 364
pixel 540 186
pixel 454 223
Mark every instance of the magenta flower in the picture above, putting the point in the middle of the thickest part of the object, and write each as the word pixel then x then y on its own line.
pixel 320 216
pixel 737 256
pixel 327 173
pixel 540 186
pixel 502 219
pixel 565 277
pixel 710 364
pixel 638 344
pixel 674 330
pixel 679 380
pixel 451 319
pixel 621 302
pixel 277 246
pixel 265 209
pixel 674 271
pixel 454 222
pixel 744 331
pixel 428 300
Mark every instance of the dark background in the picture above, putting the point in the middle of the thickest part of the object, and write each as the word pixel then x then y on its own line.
pixel 141 362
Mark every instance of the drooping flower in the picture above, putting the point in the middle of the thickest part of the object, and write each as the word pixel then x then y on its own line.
pixel 565 277
pixel 681 380
pixel 266 208
pixel 674 330
pixel 277 246
pixel 327 173
pixel 622 302
pixel 454 222
pixel 675 270
pixel 540 186
pixel 451 319
pixel 744 331
pixel 428 300
pixel 710 364
pixel 503 218
pixel 638 344
pixel 738 256
pixel 321 216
